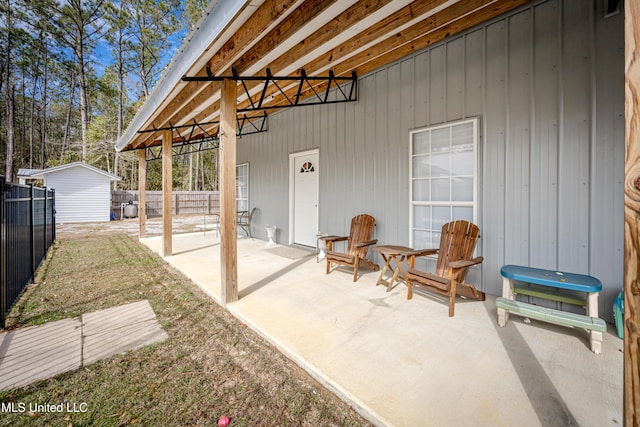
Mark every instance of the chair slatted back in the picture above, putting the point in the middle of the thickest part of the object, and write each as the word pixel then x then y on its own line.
pixel 361 231
pixel 457 242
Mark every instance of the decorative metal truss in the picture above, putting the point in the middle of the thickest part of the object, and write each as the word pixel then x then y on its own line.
pixel 199 139
pixel 347 88
pixel 308 91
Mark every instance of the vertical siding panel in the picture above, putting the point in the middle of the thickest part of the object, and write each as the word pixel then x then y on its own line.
pixel 455 94
pixel 280 156
pixel 421 112
pixel 339 215
pixel 343 173
pixel 394 146
pixel 380 188
pixel 574 150
pixel 473 73
pixel 406 120
pixel 366 153
pixel 329 162
pixel 517 150
pixel 492 227
pixel 544 147
pixel 437 84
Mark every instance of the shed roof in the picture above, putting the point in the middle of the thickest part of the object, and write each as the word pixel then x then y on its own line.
pixel 40 173
pixel 286 37
pixel 26 173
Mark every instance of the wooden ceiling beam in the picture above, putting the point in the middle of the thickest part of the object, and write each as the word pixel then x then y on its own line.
pixel 384 28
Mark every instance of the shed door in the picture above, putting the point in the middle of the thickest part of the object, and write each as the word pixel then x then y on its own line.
pixel 305 197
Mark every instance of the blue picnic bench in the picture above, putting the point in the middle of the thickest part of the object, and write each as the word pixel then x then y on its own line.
pixel 556 286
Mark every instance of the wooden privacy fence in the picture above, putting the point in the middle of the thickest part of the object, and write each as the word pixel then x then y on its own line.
pixel 27 230
pixel 184 202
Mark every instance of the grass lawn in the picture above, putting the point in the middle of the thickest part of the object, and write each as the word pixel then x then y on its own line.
pixel 212 365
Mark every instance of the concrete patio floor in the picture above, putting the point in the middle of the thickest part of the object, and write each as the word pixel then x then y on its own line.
pixel 406 363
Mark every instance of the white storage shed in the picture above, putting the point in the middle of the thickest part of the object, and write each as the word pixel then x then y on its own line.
pixel 83 192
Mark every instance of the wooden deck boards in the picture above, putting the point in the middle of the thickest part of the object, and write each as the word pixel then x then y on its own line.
pixel 40 352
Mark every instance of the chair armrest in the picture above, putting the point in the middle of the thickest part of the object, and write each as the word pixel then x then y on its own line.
pixel 367 243
pixel 335 238
pixel 465 263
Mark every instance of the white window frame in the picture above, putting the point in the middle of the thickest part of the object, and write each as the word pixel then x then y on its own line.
pixel 475 121
pixel 238 198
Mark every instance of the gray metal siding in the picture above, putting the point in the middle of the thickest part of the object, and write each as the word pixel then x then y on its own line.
pixel 547 82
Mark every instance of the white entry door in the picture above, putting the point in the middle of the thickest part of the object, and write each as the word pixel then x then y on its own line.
pixel 304 197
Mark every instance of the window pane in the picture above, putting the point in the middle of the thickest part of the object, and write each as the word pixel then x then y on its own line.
pixel 422 217
pixel 440 140
pixel 421 167
pixel 440 190
pixel 440 165
pixel 422 239
pixel 421 190
pixel 421 142
pixel 463 212
pixel 462 163
pixel 462 189
pixel 440 216
pixel 462 134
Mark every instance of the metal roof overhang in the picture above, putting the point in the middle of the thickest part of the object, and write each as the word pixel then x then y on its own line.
pixel 296 38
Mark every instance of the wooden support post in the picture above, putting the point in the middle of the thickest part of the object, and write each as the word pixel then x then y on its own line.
pixel 167 187
pixel 228 218
pixel 632 215
pixel 142 193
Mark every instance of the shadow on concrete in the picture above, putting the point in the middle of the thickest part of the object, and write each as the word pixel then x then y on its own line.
pixel 270 278
pixel 196 249
pixel 543 395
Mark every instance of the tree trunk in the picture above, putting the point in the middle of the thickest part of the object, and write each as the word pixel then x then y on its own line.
pixel 43 126
pixel 191 171
pixel 84 103
pixel 197 169
pixel 32 120
pixel 9 98
pixel 10 134
pixel 72 92
pixel 23 120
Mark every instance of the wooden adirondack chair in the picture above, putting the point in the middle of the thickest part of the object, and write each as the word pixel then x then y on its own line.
pixel 359 240
pixel 457 243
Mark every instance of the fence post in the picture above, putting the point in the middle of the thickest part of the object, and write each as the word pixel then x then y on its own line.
pixel 31 228
pixel 53 215
pixel 44 221
pixel 3 254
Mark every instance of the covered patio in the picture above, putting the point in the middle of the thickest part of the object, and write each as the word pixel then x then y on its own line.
pixel 406 363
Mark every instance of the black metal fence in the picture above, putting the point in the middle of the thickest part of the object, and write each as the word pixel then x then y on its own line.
pixel 27 230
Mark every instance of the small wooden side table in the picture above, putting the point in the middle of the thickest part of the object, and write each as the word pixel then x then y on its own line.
pixel 397 254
